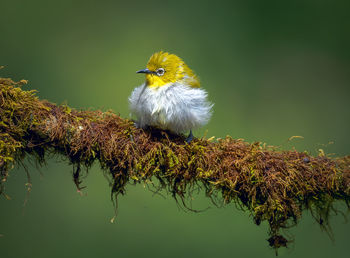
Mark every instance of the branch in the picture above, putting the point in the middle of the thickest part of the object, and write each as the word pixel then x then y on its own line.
pixel 273 185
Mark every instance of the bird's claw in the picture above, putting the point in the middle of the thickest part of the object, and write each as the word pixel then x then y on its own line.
pixel 190 137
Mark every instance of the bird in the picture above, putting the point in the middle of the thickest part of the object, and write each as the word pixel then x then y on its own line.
pixel 171 97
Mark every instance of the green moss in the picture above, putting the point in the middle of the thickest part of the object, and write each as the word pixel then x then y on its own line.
pixel 272 185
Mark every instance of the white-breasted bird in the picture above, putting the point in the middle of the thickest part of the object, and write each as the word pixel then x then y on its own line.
pixel 171 97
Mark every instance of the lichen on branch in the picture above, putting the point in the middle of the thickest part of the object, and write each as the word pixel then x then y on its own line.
pixel 273 185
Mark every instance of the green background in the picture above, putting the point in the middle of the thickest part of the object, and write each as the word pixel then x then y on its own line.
pixel 274 69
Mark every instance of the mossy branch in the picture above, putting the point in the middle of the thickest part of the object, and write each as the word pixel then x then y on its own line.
pixel 273 185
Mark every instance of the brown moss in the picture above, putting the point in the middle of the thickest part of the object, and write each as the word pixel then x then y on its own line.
pixel 274 186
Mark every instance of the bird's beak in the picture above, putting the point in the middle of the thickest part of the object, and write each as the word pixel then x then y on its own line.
pixel 145 71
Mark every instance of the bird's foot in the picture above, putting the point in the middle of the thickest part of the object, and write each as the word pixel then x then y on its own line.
pixel 190 137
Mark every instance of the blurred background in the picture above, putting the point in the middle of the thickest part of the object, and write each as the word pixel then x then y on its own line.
pixel 274 69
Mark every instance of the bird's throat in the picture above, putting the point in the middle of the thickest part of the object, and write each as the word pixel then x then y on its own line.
pixel 154 81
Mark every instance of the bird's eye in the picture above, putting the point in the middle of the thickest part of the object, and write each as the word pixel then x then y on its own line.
pixel 160 71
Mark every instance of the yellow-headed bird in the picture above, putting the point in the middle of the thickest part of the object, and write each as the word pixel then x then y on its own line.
pixel 171 97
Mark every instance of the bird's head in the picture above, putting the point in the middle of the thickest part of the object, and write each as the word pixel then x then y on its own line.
pixel 164 68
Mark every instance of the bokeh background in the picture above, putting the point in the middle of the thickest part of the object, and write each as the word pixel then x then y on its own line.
pixel 274 69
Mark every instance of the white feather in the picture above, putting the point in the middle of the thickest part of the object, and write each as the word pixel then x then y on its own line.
pixel 175 107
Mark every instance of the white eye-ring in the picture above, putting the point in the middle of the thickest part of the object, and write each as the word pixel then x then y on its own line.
pixel 160 71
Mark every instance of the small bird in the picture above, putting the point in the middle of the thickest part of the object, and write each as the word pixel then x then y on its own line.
pixel 171 97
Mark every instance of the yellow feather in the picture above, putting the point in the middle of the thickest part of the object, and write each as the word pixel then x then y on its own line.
pixel 175 71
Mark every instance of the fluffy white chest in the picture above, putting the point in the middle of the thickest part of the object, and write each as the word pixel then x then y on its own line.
pixel 174 107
